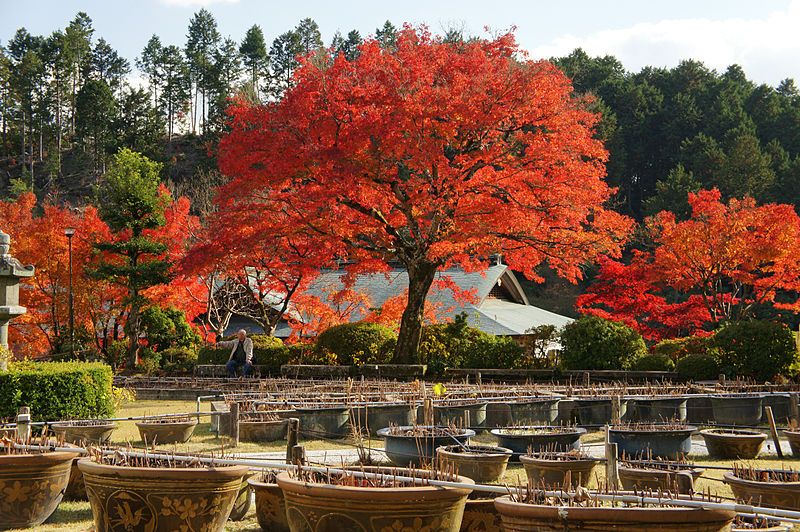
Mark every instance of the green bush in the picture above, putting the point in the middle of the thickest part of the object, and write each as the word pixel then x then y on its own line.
pixel 597 343
pixel 57 390
pixel 697 367
pixel 653 362
pixel 759 349
pixel 167 327
pixel 361 342
pixel 178 359
pixel 677 348
pixel 457 345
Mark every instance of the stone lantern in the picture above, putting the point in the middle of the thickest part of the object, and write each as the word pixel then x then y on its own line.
pixel 11 271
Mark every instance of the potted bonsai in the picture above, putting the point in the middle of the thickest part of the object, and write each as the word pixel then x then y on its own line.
pixel 733 443
pixel 177 429
pixel 416 444
pixel 262 426
pixel 558 468
pixel 32 483
pixel 481 463
pixel 376 499
pixel 539 438
pixel 157 493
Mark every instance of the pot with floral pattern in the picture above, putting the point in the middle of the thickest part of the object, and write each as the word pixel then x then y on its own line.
pixel 32 486
pixel 270 508
pixel 380 503
pixel 158 498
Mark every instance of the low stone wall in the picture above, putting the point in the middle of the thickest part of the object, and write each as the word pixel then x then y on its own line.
pixel 577 376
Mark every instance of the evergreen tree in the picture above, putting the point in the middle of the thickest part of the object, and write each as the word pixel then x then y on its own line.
pixel 78 40
pixel 149 63
pixel 177 88
pixel 96 112
pixel 283 60
pixel 310 37
pixel 254 54
pixel 386 35
pixel 202 42
pixel 130 202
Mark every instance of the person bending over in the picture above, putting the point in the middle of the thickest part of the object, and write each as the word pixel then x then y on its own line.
pixel 241 353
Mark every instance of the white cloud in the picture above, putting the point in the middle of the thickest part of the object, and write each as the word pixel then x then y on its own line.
pixel 767 49
pixel 195 3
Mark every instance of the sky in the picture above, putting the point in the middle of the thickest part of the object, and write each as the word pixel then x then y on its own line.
pixel 762 36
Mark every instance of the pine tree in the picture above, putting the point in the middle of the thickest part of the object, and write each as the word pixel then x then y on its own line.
pixel 254 54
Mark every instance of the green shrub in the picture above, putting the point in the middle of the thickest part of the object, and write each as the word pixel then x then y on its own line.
pixel 677 348
pixel 759 349
pixel 597 343
pixel 179 359
pixel 167 327
pixel 361 342
pixel 697 367
pixel 653 362
pixel 57 390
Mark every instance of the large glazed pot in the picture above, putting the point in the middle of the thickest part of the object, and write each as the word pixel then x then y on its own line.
pixel 453 414
pixel 637 442
pixel 652 478
pixel 95 431
pixel 480 515
pixel 406 446
pixel 378 416
pixel 317 507
pixel 768 493
pixel 730 443
pixel 161 499
pixel 31 487
pixel 794 441
pixel 75 490
pixel 521 517
pixel 481 463
pixel 534 411
pixel 539 439
pixel 595 411
pixel 661 409
pixel 270 508
pixel 159 432
pixel 262 431
pixel 737 409
pixel 551 469
pixel 324 421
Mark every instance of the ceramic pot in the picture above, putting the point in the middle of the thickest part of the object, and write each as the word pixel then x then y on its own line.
pixel 450 414
pixel 270 507
pixel 538 439
pixel 481 463
pixel 161 499
pixel 242 503
pixel 522 517
pixel 406 451
pixel 32 486
pixel 594 411
pixel 762 524
pixel 534 411
pixel 262 431
pixel 324 422
pixel 166 432
pixel 480 515
pixel 99 433
pixel 312 507
pixel 551 469
pixel 794 441
pixel 769 493
pixel 644 478
pixel 737 410
pixel 661 409
pixel 376 417
pixel 638 442
pixel 76 490
pixel 730 443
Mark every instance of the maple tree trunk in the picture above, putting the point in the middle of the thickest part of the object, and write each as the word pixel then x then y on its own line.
pixel 420 278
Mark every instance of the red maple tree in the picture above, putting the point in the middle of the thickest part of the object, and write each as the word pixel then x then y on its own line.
pixel 712 268
pixel 430 155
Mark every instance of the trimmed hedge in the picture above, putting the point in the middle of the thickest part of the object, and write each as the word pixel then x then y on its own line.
pixel 759 349
pixel 653 362
pixel 57 390
pixel 597 343
pixel 697 367
pixel 356 343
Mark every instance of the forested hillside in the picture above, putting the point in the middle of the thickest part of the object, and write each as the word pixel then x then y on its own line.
pixel 69 101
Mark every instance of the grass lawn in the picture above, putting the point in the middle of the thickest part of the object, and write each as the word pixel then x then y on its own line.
pixel 77 516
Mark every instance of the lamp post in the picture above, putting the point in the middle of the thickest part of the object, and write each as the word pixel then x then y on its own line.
pixel 70 232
